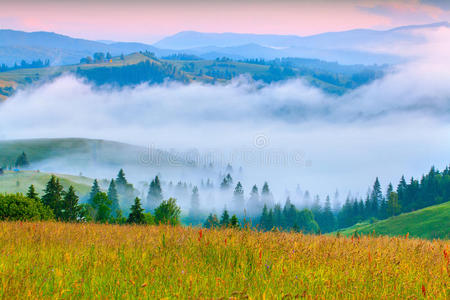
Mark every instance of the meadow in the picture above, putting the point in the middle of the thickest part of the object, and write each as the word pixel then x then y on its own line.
pixel 85 261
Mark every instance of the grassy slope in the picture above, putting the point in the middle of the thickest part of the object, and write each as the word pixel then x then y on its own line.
pixel 82 151
pixel 431 222
pixel 18 182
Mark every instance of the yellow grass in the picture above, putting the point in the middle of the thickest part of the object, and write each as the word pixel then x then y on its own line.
pixel 56 260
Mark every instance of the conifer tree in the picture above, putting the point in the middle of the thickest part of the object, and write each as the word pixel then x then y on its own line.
pixel 137 213
pixel 195 203
pixel 226 182
pixel 53 196
pixel 211 221
pixel 238 197
pixel 254 205
pixel 234 222
pixel 266 195
pixel 154 196
pixel 102 206
pixel 225 219
pixel 121 181
pixel 375 199
pixel 70 208
pixel 114 198
pixel 22 161
pixel 95 189
pixel 32 193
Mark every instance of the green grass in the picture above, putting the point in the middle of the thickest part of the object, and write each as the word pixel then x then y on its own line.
pixel 431 222
pixel 18 182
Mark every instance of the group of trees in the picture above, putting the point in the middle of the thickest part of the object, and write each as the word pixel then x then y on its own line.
pixel 225 221
pixel 24 65
pixel 98 57
pixel 288 218
pixel 433 188
pixel 147 71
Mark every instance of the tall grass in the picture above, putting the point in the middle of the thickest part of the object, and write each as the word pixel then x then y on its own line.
pixel 58 260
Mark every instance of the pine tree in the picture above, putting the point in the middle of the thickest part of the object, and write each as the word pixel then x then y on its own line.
pixel 211 221
pixel 22 161
pixel 114 198
pixel 238 198
pixel 328 219
pixel 70 208
pixel 32 193
pixel 254 206
pixel 154 196
pixel 225 219
pixel 121 181
pixel 102 206
pixel 137 213
pixel 53 196
pixel 375 199
pixel 195 203
pixel 226 182
pixel 234 222
pixel 266 195
pixel 95 189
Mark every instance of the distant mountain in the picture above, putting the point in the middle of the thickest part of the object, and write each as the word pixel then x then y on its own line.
pixel 59 49
pixel 349 47
pixel 360 46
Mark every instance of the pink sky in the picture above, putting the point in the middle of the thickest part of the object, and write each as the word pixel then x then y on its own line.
pixel 148 21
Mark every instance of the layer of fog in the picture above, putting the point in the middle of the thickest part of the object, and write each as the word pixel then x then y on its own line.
pixel 287 133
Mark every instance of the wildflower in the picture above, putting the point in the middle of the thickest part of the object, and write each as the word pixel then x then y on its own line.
pixel 424 292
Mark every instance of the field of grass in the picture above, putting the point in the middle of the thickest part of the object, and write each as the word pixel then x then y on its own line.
pixel 90 261
pixel 18 182
pixel 431 222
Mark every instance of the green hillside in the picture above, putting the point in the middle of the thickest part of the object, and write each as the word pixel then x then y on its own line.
pixel 18 182
pixel 81 152
pixel 431 222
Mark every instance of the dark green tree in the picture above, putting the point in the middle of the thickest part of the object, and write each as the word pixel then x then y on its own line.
pixel 53 196
pixel 95 189
pixel 114 198
pixel 225 219
pixel 136 215
pixel 211 221
pixel 70 207
pixel 226 182
pixel 102 207
pixel 22 161
pixel 234 222
pixel 32 193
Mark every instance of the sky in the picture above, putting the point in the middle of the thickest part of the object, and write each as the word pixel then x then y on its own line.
pixel 149 21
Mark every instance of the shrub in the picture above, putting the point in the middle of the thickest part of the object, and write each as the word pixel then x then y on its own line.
pixel 17 207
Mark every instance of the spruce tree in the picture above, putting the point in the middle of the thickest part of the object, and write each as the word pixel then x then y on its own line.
pixel 22 161
pixel 254 205
pixel 114 198
pixel 375 199
pixel 225 219
pixel 266 195
pixel 137 213
pixel 234 222
pixel 70 208
pixel 95 189
pixel 154 196
pixel 211 221
pixel 32 193
pixel 53 196
pixel 328 222
pixel 238 198
pixel 102 206
pixel 195 203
